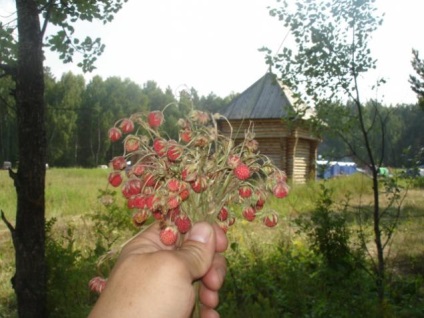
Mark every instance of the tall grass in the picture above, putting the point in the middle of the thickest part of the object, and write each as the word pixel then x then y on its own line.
pixel 72 194
pixel 69 192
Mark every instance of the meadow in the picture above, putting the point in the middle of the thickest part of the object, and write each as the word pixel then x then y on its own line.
pixel 277 272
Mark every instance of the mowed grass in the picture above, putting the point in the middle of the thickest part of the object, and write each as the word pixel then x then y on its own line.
pixel 69 192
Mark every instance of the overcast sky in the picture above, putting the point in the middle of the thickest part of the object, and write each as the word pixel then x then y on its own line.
pixel 212 45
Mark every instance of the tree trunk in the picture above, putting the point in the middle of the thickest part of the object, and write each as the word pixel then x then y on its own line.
pixel 29 233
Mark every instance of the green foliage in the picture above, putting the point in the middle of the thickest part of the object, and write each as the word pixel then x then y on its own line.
pixel 69 271
pixel 417 82
pixel 328 232
pixel 290 280
pixel 73 256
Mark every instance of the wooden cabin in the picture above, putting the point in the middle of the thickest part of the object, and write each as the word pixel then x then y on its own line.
pixel 286 140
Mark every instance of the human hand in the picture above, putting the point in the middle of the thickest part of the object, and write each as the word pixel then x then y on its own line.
pixel 154 280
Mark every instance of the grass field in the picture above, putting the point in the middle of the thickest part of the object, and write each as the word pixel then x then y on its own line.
pixel 71 195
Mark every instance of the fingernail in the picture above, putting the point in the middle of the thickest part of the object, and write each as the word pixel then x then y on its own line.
pixel 201 232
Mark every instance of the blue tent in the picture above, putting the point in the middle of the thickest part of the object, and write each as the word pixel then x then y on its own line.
pixel 330 169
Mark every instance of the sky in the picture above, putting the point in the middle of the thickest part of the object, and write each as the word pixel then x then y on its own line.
pixel 212 45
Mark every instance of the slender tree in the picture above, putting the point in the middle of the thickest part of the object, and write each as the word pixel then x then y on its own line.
pixel 331 55
pixel 417 81
pixel 22 59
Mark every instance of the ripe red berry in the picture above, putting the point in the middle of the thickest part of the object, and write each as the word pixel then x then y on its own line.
pixel 97 284
pixel 137 169
pixel 173 213
pixel 173 201
pixel 242 172
pixel 184 194
pixel 126 125
pixel 223 214
pixel 245 191
pixel 199 185
pixel 169 235
pixel 183 223
pixel 119 163
pixel 131 187
pixel 155 119
pixel 132 143
pixel 280 190
pixel 137 202
pixel 175 151
pixel 249 213
pixel 115 179
pixel 114 134
pixel 173 185
pixel 159 145
pixel 271 220
pixel 149 179
pixel 186 135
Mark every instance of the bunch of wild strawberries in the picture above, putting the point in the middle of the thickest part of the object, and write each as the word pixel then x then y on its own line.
pixel 200 176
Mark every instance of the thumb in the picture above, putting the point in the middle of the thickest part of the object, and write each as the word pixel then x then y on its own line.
pixel 198 249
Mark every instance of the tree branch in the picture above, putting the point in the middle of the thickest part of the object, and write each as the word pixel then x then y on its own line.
pixel 8 224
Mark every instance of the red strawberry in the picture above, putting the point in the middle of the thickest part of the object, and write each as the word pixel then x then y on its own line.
pixel 149 179
pixel 169 235
pixel 271 220
pixel 223 214
pixel 186 135
pixel 114 134
pixel 132 143
pixel 245 191
pixel 183 223
pixel 184 194
pixel 175 151
pixel 199 185
pixel 173 201
pixel 280 190
pixel 249 213
pixel 155 119
pixel 97 284
pixel 131 187
pixel 261 199
pixel 231 220
pixel 242 172
pixel 119 163
pixel 189 174
pixel 173 185
pixel 140 217
pixel 150 201
pixel 126 125
pixel 115 179
pixel 137 202
pixel 157 214
pixel 137 169
pixel 173 213
pixel 159 145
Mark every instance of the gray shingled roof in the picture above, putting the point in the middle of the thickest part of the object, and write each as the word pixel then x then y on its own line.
pixel 265 99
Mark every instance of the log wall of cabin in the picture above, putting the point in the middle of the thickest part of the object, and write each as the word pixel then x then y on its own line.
pixel 292 150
